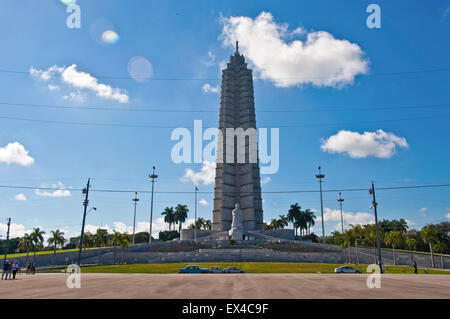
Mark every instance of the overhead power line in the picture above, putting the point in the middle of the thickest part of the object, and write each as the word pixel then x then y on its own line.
pixel 329 76
pixel 211 192
pixel 169 109
pixel 173 127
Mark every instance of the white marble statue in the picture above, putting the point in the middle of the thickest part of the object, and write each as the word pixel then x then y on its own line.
pixel 237 228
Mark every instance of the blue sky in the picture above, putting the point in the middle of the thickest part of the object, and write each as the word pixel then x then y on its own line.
pixel 181 40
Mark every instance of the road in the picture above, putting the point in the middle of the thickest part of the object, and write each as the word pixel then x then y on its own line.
pixel 227 286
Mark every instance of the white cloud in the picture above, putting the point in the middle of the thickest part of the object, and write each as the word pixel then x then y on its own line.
pixel 379 144
pixel 16 230
pixel 203 202
pixel 80 81
pixel 265 180
pixel 410 223
pixel 60 191
pixel 205 175
pixel 211 59
pixel 207 88
pixel 67 2
pixel 20 197
pixel 448 215
pixel 15 153
pixel 83 80
pixel 423 210
pixel 321 59
pixel 157 226
pixel 334 215
pixel 52 87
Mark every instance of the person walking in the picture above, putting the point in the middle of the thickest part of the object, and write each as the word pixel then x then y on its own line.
pixel 15 266
pixel 415 267
pixel 28 268
pixel 10 270
pixel 33 268
pixel 5 269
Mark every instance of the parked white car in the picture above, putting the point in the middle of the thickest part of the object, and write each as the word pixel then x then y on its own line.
pixel 347 270
pixel 215 270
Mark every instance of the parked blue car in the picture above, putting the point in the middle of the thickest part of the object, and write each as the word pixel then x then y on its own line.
pixel 193 269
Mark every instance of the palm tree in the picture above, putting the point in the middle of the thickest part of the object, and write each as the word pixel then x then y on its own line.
pixel 428 234
pixel 56 238
pixel 411 244
pixel 309 216
pixel 169 216
pixel 282 221
pixel 274 224
pixel 357 233
pixel 440 246
pixel 267 226
pixel 115 240
pixel 124 242
pixel 88 240
pixel 302 222
pixel 393 238
pixel 26 243
pixel 293 214
pixel 37 238
pixel 180 215
pixel 208 224
pixel 100 239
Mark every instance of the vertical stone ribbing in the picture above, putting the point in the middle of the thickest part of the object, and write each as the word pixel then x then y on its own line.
pixel 237 182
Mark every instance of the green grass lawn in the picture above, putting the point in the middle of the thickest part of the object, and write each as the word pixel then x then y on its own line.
pixel 249 267
pixel 44 252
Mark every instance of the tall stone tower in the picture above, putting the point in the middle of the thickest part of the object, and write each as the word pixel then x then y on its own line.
pixel 237 182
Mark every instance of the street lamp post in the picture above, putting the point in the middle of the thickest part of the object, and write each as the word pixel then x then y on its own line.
pixel 85 204
pixel 195 218
pixel 320 176
pixel 340 200
pixel 135 200
pixel 153 176
pixel 374 205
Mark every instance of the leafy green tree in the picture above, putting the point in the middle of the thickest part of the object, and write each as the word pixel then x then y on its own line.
pixel 181 215
pixel 168 235
pixel 141 237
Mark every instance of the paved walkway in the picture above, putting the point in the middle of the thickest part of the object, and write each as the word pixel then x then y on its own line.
pixel 227 286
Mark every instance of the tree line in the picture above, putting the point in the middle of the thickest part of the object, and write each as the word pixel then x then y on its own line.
pixel 396 235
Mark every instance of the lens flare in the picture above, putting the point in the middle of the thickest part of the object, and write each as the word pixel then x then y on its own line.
pixel 110 37
pixel 140 69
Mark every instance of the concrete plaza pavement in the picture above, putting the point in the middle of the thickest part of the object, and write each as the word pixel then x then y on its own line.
pixel 247 286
